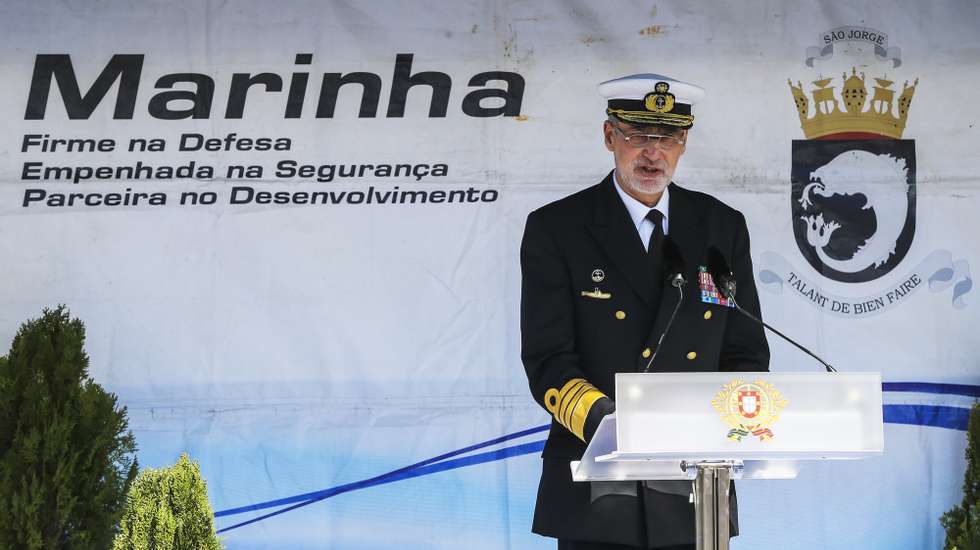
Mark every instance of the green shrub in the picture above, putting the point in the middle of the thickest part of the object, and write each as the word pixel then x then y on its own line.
pixel 66 455
pixel 962 523
pixel 168 509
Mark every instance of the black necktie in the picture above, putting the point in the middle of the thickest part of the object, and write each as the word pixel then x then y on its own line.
pixel 655 245
pixel 655 255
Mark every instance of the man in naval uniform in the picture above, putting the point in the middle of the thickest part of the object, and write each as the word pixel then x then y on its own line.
pixel 594 301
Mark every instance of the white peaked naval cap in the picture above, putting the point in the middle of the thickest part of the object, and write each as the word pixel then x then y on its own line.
pixel 651 99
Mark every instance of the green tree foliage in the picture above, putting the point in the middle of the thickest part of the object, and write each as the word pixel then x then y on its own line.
pixel 168 509
pixel 962 523
pixel 66 455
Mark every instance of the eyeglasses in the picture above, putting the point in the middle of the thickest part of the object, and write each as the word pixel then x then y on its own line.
pixel 662 142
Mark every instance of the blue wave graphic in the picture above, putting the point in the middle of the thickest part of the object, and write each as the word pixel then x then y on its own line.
pixel 928 387
pixel 390 477
pixel 374 480
pixel 938 416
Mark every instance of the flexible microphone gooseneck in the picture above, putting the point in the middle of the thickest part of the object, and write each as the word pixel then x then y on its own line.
pixel 674 268
pixel 725 281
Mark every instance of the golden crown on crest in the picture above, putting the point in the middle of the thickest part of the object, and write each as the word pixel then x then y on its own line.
pixel 853 121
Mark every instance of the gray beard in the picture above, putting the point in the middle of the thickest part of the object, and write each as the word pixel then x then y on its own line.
pixel 632 186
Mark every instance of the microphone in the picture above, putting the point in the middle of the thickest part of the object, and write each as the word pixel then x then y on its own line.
pixel 725 282
pixel 674 267
pixel 673 263
pixel 721 274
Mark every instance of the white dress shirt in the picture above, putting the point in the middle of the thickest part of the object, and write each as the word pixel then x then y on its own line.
pixel 638 212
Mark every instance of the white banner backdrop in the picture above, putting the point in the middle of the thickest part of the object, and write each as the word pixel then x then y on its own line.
pixel 336 299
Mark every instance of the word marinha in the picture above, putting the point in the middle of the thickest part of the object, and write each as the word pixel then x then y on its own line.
pixel 125 72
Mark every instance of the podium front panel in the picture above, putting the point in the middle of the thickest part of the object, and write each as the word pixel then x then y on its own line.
pixel 599 463
pixel 751 415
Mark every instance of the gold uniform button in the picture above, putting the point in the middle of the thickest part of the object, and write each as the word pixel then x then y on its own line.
pixel 620 315
pixel 707 315
pixel 646 353
pixel 691 355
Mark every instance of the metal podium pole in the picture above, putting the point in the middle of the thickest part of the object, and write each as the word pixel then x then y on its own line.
pixel 711 504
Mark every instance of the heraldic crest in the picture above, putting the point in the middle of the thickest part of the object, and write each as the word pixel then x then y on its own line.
pixel 749 408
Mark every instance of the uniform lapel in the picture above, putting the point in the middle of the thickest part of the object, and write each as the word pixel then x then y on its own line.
pixel 685 229
pixel 613 229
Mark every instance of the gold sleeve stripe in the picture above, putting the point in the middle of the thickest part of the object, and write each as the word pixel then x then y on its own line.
pixel 574 402
pixel 568 401
pixel 581 412
pixel 555 398
pixel 571 405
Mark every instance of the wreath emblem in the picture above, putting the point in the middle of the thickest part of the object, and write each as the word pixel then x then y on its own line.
pixel 749 408
pixel 660 100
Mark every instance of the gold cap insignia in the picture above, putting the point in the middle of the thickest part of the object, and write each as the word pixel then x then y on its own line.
pixel 660 100
pixel 749 408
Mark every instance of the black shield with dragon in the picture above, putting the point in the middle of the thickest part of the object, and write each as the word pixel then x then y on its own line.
pixel 853 205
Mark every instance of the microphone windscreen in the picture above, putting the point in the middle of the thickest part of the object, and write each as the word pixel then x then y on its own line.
pixel 721 274
pixel 717 266
pixel 673 259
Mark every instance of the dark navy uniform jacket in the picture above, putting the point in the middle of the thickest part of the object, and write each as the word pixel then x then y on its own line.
pixel 566 335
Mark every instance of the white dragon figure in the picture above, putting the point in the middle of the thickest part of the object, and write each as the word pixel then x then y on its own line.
pixel 880 178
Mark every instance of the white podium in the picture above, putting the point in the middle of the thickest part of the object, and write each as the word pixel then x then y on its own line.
pixel 717 426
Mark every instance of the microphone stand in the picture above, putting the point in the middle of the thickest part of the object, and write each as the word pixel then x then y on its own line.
pixel 731 297
pixel 678 282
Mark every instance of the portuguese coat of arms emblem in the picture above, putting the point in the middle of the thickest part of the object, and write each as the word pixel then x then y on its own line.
pixel 749 408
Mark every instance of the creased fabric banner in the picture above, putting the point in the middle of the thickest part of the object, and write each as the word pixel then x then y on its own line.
pixel 938 271
pixel 293 231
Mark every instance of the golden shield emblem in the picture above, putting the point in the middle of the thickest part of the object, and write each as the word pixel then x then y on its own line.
pixel 749 408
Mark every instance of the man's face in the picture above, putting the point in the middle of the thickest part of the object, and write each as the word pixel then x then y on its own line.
pixel 643 172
